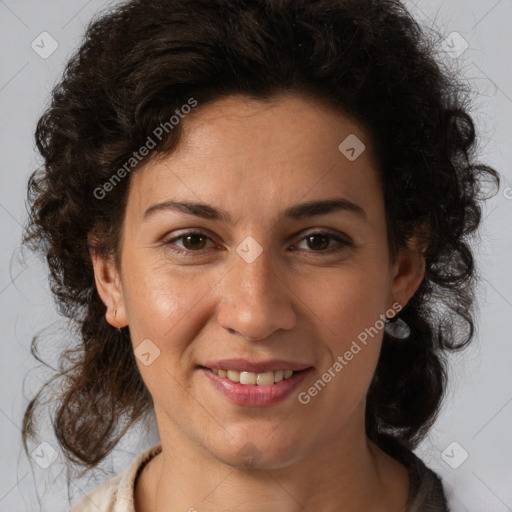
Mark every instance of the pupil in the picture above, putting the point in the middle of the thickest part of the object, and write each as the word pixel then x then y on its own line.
pixel 191 240
pixel 317 240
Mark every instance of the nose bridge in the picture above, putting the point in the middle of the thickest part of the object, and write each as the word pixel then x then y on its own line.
pixel 255 301
pixel 257 274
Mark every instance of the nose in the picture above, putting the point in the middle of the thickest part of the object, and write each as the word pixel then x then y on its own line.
pixel 255 300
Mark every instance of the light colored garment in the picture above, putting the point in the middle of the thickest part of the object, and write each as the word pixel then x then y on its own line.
pixel 116 494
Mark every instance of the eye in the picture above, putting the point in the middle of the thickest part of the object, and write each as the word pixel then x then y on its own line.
pixel 193 242
pixel 320 242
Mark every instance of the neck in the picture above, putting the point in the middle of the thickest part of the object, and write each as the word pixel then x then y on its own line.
pixel 347 469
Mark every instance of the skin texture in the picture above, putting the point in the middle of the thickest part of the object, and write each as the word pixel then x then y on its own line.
pixel 254 159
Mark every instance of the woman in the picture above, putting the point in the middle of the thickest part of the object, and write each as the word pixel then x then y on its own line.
pixel 259 215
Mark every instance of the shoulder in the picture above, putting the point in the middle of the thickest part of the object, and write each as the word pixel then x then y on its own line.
pixel 430 492
pixel 117 493
pixel 100 498
pixel 426 490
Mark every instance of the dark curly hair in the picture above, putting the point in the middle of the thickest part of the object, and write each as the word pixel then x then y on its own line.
pixel 139 63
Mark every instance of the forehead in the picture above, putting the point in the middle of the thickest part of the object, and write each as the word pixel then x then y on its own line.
pixel 291 125
pixel 244 152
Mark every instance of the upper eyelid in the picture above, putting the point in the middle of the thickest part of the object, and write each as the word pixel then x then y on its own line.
pixel 186 233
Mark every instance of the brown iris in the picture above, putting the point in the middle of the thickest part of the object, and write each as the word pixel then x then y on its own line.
pixel 194 241
pixel 318 241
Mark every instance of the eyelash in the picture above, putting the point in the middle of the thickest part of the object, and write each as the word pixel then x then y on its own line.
pixel 344 244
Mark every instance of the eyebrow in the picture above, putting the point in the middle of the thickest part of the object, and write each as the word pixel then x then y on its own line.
pixel 295 212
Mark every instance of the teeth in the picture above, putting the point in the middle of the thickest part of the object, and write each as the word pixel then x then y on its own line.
pixel 233 375
pixel 248 378
pixel 265 379
pixel 251 378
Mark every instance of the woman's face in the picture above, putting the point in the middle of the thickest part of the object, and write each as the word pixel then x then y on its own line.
pixel 258 273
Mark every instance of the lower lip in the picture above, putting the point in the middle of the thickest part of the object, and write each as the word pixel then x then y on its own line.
pixel 253 395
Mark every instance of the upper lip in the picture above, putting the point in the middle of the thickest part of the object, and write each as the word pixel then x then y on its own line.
pixel 245 365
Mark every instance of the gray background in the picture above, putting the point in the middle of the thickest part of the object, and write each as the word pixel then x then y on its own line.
pixel 477 413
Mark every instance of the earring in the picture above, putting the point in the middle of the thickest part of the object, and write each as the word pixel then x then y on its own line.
pixel 397 328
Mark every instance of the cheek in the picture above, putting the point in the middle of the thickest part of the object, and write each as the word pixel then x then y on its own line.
pixel 347 301
pixel 159 299
pixel 168 309
pixel 349 305
pixel 342 380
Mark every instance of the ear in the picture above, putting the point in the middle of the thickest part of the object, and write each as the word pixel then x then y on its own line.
pixel 108 284
pixel 409 269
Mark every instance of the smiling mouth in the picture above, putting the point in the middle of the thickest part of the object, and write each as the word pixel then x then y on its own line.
pixel 254 379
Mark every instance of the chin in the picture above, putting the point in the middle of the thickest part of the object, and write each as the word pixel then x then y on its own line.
pixel 259 452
